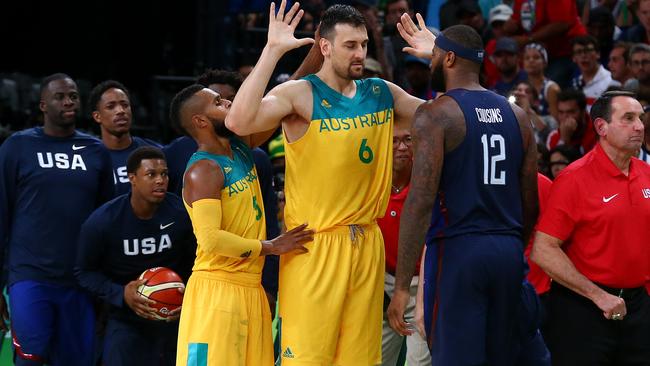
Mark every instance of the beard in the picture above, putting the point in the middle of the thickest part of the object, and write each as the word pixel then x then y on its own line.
pixel 438 81
pixel 220 128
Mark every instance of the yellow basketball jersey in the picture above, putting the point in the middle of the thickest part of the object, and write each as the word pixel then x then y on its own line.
pixel 241 205
pixel 339 172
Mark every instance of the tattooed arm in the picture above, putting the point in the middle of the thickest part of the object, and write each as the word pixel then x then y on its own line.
pixel 438 128
pixel 528 174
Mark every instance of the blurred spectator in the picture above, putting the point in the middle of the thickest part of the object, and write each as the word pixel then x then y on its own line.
pixel 602 26
pixel 640 65
pixel 639 33
pixel 535 62
pixel 449 13
pixel 469 13
pixel 393 42
pixel 375 38
pixel 552 23
pixel 506 59
pixel 574 125
pixel 560 157
pixel 526 98
pixel 418 75
pixel 618 62
pixel 644 153
pixel 594 79
pixel 371 68
pixel 498 17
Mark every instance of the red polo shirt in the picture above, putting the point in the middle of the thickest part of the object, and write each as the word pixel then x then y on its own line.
pixel 604 218
pixel 536 276
pixel 389 226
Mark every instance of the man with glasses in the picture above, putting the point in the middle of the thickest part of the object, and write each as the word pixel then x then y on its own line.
pixel 417 351
pixel 594 79
pixel 639 63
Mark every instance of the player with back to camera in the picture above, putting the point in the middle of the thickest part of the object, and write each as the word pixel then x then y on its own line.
pixel 478 152
pixel 145 228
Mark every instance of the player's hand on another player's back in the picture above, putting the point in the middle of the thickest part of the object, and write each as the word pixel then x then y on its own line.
pixel 420 39
pixel 138 303
pixel 282 26
pixel 294 239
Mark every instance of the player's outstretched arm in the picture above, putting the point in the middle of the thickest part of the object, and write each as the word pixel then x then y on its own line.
pixel 249 112
pixel 428 151
pixel 420 39
pixel 405 106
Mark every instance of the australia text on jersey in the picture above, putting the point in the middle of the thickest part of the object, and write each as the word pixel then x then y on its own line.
pixel 242 184
pixel 362 121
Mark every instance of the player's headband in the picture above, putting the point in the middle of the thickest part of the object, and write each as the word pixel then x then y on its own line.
pixel 460 50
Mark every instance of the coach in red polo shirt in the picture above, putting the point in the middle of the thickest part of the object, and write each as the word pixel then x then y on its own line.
pixel 593 240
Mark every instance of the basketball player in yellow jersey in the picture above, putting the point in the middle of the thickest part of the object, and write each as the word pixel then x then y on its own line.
pixel 225 318
pixel 338 150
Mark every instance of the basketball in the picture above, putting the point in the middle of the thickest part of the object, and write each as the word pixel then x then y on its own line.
pixel 162 287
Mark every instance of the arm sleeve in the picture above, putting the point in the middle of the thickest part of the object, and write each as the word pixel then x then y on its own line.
pixel 88 268
pixel 8 173
pixel 206 221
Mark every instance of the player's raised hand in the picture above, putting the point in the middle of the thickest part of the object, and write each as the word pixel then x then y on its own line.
pixel 396 311
pixel 138 303
pixel 282 26
pixel 294 239
pixel 420 39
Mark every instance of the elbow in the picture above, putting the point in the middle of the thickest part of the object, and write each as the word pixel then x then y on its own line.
pixel 237 128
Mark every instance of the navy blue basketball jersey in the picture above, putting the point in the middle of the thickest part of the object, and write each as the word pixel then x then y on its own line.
pixel 118 159
pixel 178 153
pixel 48 187
pixel 115 247
pixel 480 186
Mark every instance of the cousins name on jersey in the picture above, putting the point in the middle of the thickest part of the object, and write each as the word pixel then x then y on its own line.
pixel 489 115
pixel 363 121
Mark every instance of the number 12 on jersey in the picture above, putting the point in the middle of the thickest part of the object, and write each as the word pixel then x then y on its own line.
pixel 490 161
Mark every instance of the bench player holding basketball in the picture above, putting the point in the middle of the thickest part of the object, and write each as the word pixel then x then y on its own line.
pixel 125 237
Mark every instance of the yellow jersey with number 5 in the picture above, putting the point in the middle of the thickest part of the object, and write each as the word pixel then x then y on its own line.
pixel 339 172
pixel 242 208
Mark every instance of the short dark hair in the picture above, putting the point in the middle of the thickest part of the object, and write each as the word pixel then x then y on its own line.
pixel 570 152
pixel 212 76
pixel 391 2
pixel 573 94
pixel 465 36
pixel 99 90
pixel 142 153
pixel 50 78
pixel 638 48
pixel 179 101
pixel 626 46
pixel 340 14
pixel 602 108
pixel 585 40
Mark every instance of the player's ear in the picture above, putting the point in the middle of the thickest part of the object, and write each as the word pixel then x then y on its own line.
pixel 325 46
pixel 450 58
pixel 131 177
pixel 601 126
pixel 97 117
pixel 198 121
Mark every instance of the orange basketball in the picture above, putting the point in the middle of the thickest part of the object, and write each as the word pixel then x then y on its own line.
pixel 162 287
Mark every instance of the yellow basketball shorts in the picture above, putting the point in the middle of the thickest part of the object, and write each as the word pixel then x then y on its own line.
pixel 225 320
pixel 331 299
